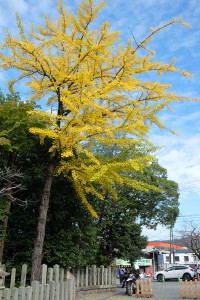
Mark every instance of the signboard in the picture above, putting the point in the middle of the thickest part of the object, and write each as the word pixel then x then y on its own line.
pixel 143 262
pixel 122 262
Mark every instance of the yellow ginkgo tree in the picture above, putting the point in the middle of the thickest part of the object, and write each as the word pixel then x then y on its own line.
pixel 93 86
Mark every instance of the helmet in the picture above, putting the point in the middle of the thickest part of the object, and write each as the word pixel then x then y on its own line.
pixel 136 267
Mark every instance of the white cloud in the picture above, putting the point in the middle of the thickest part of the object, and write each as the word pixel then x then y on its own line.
pixel 180 156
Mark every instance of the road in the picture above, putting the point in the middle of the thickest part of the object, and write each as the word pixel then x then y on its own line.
pixel 169 290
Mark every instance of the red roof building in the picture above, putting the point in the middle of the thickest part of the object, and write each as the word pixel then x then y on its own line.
pixel 165 245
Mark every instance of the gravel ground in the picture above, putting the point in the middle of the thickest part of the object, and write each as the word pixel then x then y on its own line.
pixel 169 290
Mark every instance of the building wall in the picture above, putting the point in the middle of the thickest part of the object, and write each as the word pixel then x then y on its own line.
pixel 180 258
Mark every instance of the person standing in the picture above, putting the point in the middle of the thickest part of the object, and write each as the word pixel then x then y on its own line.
pixel 121 272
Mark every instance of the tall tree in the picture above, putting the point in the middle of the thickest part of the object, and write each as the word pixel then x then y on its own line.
pixel 94 84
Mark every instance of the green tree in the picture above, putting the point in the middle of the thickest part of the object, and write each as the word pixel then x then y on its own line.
pixel 15 139
pixel 93 82
pixel 118 233
pixel 153 207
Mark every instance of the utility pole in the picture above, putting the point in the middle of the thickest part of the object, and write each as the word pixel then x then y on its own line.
pixel 170 238
pixel 173 258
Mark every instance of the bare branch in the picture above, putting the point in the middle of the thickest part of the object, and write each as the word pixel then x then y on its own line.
pixel 10 184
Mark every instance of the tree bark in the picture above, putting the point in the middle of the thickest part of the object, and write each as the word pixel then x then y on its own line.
pixel 4 229
pixel 8 192
pixel 39 241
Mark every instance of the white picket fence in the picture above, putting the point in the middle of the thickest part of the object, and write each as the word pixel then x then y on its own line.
pixel 57 283
pixel 95 278
pixel 37 291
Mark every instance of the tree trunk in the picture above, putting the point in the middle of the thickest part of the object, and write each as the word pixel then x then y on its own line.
pixel 8 175
pixel 4 229
pixel 39 241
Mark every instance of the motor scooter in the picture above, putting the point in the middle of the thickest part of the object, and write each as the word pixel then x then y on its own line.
pixel 131 284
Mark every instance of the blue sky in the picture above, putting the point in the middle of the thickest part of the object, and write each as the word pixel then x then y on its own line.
pixel 180 154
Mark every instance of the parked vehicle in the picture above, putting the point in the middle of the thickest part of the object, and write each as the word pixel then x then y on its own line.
pixel 174 272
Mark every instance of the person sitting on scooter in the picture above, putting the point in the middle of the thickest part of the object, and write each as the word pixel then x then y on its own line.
pixel 135 270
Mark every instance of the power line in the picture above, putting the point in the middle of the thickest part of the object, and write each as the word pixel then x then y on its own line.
pixel 187 216
pixel 159 233
pixel 191 182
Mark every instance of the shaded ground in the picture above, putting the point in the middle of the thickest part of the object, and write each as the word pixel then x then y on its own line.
pixel 169 290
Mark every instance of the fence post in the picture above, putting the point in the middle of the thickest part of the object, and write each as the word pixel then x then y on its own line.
pixel 1 295
pixel 23 275
pixel 90 276
pixel 106 276
pixel 7 294
pixel 94 275
pixel 109 276
pixel 22 293
pixel 62 291
pixel 57 291
pixel 50 275
pixel 62 273
pixel 29 292
pixel 35 287
pixel 15 293
pixel 98 276
pixel 86 276
pixel 102 275
pixel 46 292
pixel 78 278
pixel 13 276
pixel 43 274
pixel 82 277
pixel 114 272
pixel 71 289
pixel 56 273
pixel 41 292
